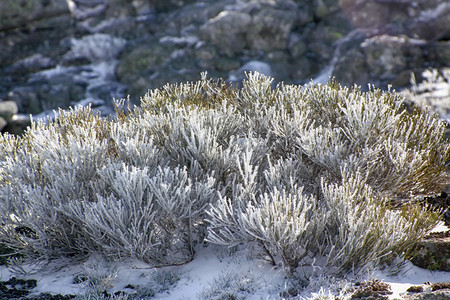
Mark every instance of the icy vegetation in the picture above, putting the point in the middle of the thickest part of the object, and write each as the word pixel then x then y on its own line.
pixel 317 175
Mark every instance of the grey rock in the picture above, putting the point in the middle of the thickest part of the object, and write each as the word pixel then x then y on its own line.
pixel 374 14
pixel 194 15
pixel 271 26
pixel 30 35
pixel 439 53
pixel 28 27
pixel 7 110
pixel 165 5
pixel 208 59
pixel 352 68
pixel 390 58
pixel 434 252
pixel 228 31
pixel 385 59
pixel 137 66
pixel 437 295
pixel 305 12
pixel 432 23
pixel 425 19
pixel 300 70
pixel 384 55
pixel 82 10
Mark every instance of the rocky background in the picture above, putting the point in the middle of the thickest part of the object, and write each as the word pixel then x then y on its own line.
pixel 57 53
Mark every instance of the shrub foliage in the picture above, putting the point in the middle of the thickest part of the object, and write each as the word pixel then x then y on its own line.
pixel 302 172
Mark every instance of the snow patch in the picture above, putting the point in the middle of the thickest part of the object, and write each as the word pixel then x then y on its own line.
pixel 215 271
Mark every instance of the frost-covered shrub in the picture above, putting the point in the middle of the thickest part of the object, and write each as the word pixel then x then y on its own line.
pixel 306 173
pixel 81 183
pixel 340 155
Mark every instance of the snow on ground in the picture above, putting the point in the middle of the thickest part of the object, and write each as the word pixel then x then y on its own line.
pixel 215 272
pixel 412 275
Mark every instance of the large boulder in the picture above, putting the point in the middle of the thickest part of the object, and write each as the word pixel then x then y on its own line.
pixel 424 19
pixel 137 66
pixel 228 31
pixel 387 59
pixel 399 38
pixel 271 25
pixel 261 26
pixel 376 14
pixel 393 58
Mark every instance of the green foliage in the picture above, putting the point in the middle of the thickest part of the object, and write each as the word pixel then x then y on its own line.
pixel 303 172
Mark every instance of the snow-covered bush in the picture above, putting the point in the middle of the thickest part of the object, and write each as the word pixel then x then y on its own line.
pixel 306 173
pixel 81 183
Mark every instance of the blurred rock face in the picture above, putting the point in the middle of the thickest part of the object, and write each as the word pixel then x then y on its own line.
pixel 63 52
